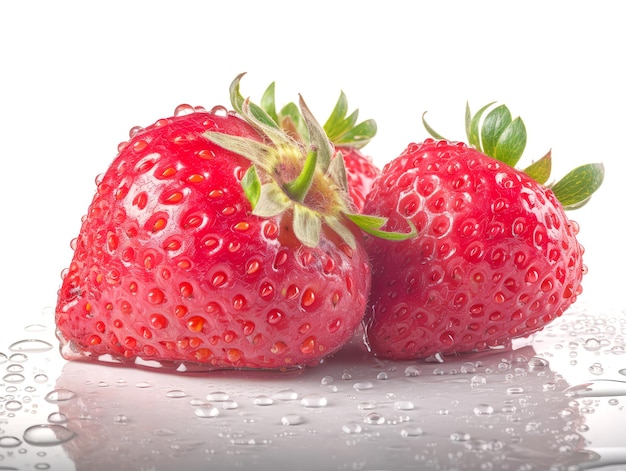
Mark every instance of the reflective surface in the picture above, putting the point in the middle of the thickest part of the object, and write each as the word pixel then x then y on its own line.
pixel 555 402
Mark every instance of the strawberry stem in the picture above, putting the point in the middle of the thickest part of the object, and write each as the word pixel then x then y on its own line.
pixel 298 188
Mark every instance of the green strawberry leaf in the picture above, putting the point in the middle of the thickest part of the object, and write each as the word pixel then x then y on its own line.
pixel 541 169
pixel 290 118
pixel 372 225
pixel 511 143
pixel 494 124
pixel 472 126
pixel 575 188
pixel 430 130
pixel 251 184
pixel 238 102
pixel 268 102
pixel 342 129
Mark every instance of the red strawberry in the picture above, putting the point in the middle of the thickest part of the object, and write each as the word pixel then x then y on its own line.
pixel 190 255
pixel 343 131
pixel 495 258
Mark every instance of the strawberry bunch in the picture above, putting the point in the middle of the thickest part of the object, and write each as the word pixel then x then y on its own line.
pixel 258 238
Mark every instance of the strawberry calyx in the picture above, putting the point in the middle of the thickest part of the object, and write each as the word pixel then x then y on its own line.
pixel 302 175
pixel 494 132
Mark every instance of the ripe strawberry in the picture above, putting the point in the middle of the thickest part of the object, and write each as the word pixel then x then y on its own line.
pixel 191 255
pixel 343 131
pixel 495 258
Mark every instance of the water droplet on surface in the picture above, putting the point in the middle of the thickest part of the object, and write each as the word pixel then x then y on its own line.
pixel 460 436
pixel 57 418
pixel 218 396
pixel 537 363
pixel 13 378
pixel 362 386
pixel 598 388
pixel 12 406
pixel 60 395
pixel 47 435
pixel 40 378
pixel 120 419
pixel 4 359
pixel 326 380
pixel 292 419
pixel 374 418
pixel 411 431
pixel 596 369
pixel 404 405
pixel 592 345
pixel 346 376
pixel 9 442
pixel 263 400
pixel 176 394
pixel 31 345
pixel 286 395
pixel 207 411
pixel 478 381
pixel 314 400
pixel 382 376
pixel 352 427
pixel 230 405
pixel 468 367
pixel 18 358
pixel 483 409
pixel 515 390
pixel 15 368
pixel 367 405
pixel 412 371
pixel 142 384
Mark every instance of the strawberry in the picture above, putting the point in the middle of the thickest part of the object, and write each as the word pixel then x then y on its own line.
pixel 216 240
pixel 343 131
pixel 495 258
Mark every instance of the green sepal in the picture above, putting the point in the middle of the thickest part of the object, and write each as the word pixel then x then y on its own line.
pixel 317 138
pixel 238 102
pixel 575 188
pixel 251 184
pixel 430 130
pixel 258 153
pixel 307 225
pixel 290 119
pixel 272 201
pixel 372 225
pixel 472 125
pixel 268 102
pixel 337 172
pixel 342 129
pixel 541 169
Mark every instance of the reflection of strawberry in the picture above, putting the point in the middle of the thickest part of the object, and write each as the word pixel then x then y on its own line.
pixel 495 257
pixel 175 261
pixel 348 136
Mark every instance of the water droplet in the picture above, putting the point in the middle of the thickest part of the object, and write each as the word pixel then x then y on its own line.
pixel 598 388
pixel 362 386
pixel 382 376
pixel 218 396
pixel 142 385
pixel 47 435
pixel 229 405
pixel 15 368
pixel 292 419
pixel 9 442
pixel 592 345
pixel 13 406
pixel 352 427
pixel 613 402
pixel 537 363
pixel 478 381
pixel 40 378
pixel 411 431
pixel 483 409
pixel 404 405
pixel 596 369
pixel 326 380
pixel 30 345
pixel 120 419
pixel 42 466
pixel 18 358
pixel 314 400
pixel 176 394
pixel 263 400
pixel 367 405
pixel 412 370
pixel 13 378
pixel 460 436
pixel 286 395
pixel 346 376
pixel 4 359
pixel 515 390
pixel 374 418
pixel 57 418
pixel 60 395
pixel 206 411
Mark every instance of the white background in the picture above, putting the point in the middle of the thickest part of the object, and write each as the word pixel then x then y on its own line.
pixel 76 76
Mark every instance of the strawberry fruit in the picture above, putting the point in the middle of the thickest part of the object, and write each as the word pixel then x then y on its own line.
pixel 495 257
pixel 215 240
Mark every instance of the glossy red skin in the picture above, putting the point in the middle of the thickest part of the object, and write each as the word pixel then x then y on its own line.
pixel 361 173
pixel 171 266
pixel 496 257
